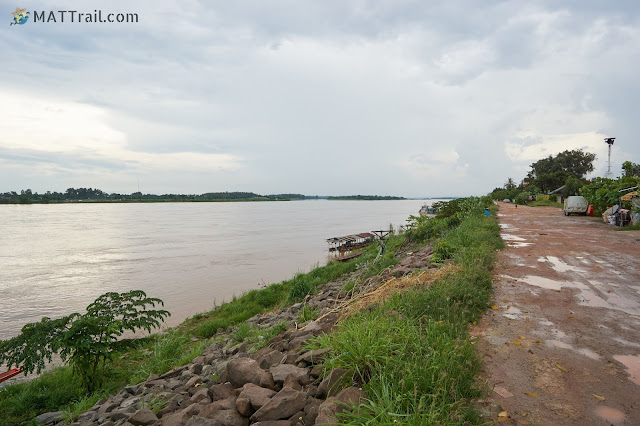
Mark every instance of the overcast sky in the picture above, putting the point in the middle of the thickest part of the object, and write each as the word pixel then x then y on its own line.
pixel 395 97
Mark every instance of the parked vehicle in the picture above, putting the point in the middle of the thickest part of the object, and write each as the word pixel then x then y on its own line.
pixel 575 204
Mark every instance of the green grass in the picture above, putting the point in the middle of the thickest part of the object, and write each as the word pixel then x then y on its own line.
pixel 307 313
pixel 545 203
pixel 420 366
pixel 279 295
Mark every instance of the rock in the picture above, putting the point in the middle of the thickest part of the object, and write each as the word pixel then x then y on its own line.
pixel 221 391
pixel 311 410
pixel 280 372
pixel 314 356
pixel 143 418
pixel 201 395
pixel 331 385
pixel 192 382
pixel 243 405
pixel 130 402
pixel 244 370
pixel 270 359
pixel 256 395
pixel 292 382
pixel 107 407
pixel 266 381
pixel 328 410
pixel 316 371
pixel 173 373
pixel 283 405
pixel 50 418
pixel 118 415
pixel 273 423
pixel 220 418
pixel 351 396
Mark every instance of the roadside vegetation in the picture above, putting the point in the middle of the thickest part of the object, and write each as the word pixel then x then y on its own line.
pixel 553 178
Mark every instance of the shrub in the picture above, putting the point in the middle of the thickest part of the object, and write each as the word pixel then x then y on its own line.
pixel 85 341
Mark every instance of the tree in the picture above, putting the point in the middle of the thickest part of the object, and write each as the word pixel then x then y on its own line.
pixel 86 341
pixel 551 173
pixel 510 184
pixel 630 169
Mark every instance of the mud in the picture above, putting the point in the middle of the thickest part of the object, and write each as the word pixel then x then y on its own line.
pixel 563 345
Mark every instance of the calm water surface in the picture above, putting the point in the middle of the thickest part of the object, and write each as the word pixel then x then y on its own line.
pixel 56 259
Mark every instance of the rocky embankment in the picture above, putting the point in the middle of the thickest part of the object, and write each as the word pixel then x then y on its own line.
pixel 280 385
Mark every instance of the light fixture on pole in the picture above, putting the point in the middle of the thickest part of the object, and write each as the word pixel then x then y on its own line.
pixel 609 141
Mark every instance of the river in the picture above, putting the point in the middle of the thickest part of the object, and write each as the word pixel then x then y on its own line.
pixel 56 259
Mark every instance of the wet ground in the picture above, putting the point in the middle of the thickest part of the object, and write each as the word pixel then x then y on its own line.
pixel 562 341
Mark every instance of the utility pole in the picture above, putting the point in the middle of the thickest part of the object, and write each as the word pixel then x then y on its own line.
pixel 609 141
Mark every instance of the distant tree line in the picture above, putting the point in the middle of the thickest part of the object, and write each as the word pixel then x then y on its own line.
pixel 365 197
pixel 27 196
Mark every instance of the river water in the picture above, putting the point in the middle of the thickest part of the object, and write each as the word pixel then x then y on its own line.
pixel 56 259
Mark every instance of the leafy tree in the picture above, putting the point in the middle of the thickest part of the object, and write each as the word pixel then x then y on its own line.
pixel 603 193
pixel 572 186
pixel 510 184
pixel 86 341
pixel 630 169
pixel 551 173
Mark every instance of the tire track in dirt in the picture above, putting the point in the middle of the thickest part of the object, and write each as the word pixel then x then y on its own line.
pixel 562 342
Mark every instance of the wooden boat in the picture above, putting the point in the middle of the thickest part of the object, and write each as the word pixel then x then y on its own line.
pixel 349 256
pixel 428 211
pixel 9 374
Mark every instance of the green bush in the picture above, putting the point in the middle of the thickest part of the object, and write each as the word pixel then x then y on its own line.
pixel 85 341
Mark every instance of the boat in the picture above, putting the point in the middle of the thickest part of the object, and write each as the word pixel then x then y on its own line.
pixel 9 374
pixel 428 211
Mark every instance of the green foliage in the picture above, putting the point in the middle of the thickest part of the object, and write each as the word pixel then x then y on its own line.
pixel 630 169
pixel 603 193
pixel 307 313
pixel 54 389
pixel 442 251
pixel 572 186
pixel 256 337
pixel 522 198
pixel 169 350
pixel 551 172
pixel 85 341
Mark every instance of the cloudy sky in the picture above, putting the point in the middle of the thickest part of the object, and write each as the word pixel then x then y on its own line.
pixel 394 97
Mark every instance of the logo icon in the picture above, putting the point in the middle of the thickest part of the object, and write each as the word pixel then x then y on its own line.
pixel 20 16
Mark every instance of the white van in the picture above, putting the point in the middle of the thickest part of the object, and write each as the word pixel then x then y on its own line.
pixel 575 204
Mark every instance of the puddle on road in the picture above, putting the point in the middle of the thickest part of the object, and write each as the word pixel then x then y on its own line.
pixel 518 245
pixel 592 296
pixel 564 345
pixel 609 415
pixel 545 282
pixel 632 363
pixel 511 237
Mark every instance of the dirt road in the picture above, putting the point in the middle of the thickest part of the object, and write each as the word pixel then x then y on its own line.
pixel 562 342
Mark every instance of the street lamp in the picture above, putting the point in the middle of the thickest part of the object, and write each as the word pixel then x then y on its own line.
pixel 609 141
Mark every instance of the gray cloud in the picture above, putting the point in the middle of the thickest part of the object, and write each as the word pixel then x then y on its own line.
pixel 333 97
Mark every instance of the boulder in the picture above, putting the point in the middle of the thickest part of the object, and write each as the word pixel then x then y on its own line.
pixel 283 405
pixel 311 410
pixel 201 395
pixel 257 395
pixel 269 359
pixel 244 370
pixel 280 373
pixel 221 391
pixel 315 356
pixel 50 418
pixel 328 410
pixel 243 406
pixel 336 380
pixel 220 418
pixel 143 417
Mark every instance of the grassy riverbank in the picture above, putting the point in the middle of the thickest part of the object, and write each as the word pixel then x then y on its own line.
pixel 417 364
pixel 412 352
